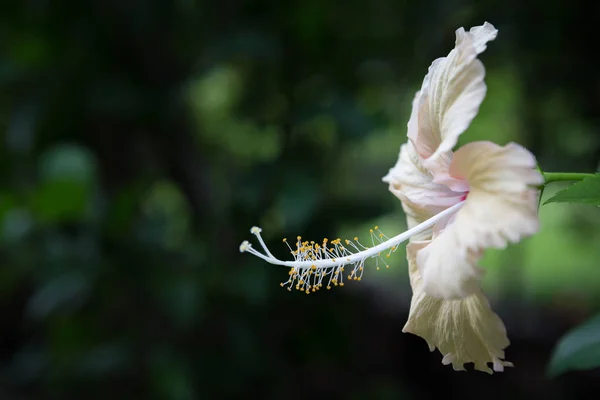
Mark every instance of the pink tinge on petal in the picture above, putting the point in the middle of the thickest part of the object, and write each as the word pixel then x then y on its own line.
pixel 453 183
pixel 412 184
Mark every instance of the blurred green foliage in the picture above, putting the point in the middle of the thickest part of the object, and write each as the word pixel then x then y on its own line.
pixel 578 350
pixel 143 139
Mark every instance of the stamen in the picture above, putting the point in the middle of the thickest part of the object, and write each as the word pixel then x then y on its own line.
pixel 316 264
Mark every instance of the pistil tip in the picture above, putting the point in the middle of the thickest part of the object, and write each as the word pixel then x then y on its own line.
pixel 245 246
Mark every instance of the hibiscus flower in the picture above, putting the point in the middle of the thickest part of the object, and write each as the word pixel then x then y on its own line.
pixel 457 205
pixel 497 187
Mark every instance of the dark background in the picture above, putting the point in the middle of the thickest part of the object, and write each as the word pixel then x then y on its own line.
pixel 142 139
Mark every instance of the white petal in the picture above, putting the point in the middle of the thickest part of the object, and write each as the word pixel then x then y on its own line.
pixel 501 208
pixel 480 35
pixel 464 330
pixel 448 268
pixel 449 98
pixel 506 170
pixel 413 185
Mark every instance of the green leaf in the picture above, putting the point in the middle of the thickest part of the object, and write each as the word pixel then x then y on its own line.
pixel 578 350
pixel 586 191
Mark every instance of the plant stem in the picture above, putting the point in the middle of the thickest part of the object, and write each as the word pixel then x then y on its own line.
pixel 564 176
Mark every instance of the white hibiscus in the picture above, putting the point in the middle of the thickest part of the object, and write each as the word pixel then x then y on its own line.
pixel 496 186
